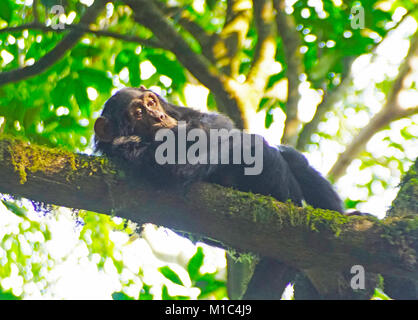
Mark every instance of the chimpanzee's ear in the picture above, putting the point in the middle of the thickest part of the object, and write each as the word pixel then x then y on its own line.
pixel 142 87
pixel 103 129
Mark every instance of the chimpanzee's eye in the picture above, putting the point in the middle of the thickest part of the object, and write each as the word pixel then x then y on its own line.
pixel 138 112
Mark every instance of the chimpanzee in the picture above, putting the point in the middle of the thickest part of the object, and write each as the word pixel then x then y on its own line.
pixel 129 128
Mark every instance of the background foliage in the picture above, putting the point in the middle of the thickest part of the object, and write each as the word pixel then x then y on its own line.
pixel 314 60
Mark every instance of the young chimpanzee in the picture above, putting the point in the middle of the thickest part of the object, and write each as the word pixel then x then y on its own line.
pixel 128 129
pixel 133 124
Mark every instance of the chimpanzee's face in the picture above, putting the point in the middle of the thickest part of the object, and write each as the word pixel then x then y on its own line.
pixel 132 111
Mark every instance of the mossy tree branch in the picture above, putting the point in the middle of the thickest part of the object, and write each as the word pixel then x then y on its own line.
pixel 301 237
pixel 404 205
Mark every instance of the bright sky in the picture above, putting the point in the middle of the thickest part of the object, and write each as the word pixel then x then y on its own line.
pixel 75 276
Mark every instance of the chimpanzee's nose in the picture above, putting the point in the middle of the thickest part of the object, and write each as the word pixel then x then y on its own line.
pixel 158 116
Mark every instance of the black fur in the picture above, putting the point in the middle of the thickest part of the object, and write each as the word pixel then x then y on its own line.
pixel 286 172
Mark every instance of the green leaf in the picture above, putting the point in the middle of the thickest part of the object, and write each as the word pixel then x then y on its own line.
pixel 12 207
pixel 406 135
pixel 31 117
pixel 122 59
pixel 145 293
pixel 134 71
pixel 211 102
pixel 121 296
pixel 265 103
pixel 380 295
pixel 170 68
pixel 211 4
pixel 269 119
pixel 208 284
pixel 7 295
pixel 96 78
pixel 170 275
pixel 351 204
pixel 128 58
pixel 83 50
pixel 274 79
pixel 324 65
pixel 62 92
pixel 5 10
pixel 166 296
pixel 195 263
pixel 82 99
pixel 397 146
pixel 118 265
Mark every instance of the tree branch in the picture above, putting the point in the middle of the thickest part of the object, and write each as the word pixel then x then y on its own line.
pixel 391 111
pixel 329 100
pixel 266 46
pixel 230 40
pixel 148 14
pixel 296 236
pixel 291 43
pixel 58 52
pixel 35 11
pixel 204 38
pixel 405 204
pixel 149 42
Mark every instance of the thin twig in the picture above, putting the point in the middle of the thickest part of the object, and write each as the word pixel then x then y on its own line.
pixel 69 41
pixel 329 100
pixel 390 111
pixel 149 42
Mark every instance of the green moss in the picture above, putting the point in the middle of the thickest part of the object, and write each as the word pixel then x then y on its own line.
pixel 320 219
pixel 397 228
pixel 97 165
pixel 32 158
pixel 267 210
pixel 258 208
pixel 296 215
pixel 406 202
pixel 402 234
pixel 242 257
